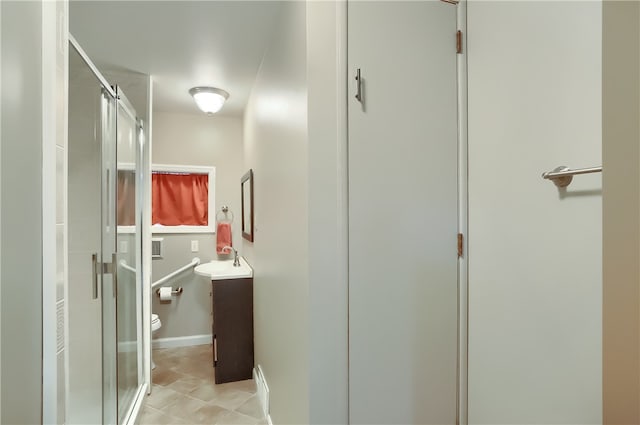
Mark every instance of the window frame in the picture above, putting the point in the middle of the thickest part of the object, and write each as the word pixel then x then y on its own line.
pixel 193 169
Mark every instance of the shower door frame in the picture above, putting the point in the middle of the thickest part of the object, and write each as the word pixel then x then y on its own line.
pixel 111 412
pixel 125 105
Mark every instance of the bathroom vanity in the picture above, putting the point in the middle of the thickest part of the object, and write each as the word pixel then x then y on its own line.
pixel 232 329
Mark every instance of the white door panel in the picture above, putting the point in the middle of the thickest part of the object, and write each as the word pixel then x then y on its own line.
pixel 403 213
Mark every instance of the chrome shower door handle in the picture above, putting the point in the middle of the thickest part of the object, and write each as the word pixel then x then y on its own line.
pixel 104 268
pixel 114 273
pixel 94 273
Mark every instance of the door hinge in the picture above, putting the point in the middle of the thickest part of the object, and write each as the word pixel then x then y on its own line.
pixel 459 42
pixel 460 244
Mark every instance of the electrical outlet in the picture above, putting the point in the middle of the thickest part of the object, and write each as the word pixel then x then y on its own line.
pixel 194 246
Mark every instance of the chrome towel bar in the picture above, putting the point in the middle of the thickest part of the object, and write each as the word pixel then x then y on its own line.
pixel 563 175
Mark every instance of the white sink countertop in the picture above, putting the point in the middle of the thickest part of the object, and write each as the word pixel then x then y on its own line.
pixel 224 269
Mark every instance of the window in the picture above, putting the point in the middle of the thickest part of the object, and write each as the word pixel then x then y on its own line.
pixel 183 199
pixel 179 199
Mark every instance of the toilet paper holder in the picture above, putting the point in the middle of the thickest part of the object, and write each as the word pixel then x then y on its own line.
pixel 176 291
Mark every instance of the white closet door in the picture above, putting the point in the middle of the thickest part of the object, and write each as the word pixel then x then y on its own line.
pixel 403 279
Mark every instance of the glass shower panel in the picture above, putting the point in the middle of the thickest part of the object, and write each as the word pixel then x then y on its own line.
pixel 105 228
pixel 90 143
pixel 128 240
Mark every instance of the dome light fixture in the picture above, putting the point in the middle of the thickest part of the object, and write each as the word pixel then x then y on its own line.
pixel 209 99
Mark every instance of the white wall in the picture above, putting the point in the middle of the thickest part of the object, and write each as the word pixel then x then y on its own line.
pixel 21 227
pixel 276 149
pixel 327 168
pixel 535 254
pixel 197 139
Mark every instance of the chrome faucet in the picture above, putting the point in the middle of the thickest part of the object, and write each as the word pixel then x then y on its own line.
pixel 236 260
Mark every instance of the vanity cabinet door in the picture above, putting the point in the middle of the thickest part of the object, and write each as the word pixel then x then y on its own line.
pixel 233 329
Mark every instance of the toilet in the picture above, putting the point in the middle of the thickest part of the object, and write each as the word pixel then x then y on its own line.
pixel 155 325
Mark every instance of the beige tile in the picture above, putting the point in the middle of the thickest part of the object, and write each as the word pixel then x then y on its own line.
pixel 231 399
pixel 222 395
pixel 206 392
pixel 184 391
pixel 249 385
pixel 235 418
pixel 202 349
pixel 165 377
pixel 145 416
pixel 151 416
pixel 161 396
pixel 251 408
pixel 193 351
pixel 163 351
pixel 176 405
pixel 186 408
pixel 205 372
pixel 204 359
pixel 211 414
pixel 182 362
pixel 163 359
pixel 186 384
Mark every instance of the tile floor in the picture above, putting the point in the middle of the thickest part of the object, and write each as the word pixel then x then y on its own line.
pixel 184 392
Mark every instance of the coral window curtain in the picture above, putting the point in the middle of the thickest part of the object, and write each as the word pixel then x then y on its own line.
pixel 180 199
pixel 126 198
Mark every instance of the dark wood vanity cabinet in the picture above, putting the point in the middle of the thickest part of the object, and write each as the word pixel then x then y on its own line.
pixel 232 329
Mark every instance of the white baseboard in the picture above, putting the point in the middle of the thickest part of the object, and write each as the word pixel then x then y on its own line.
pixel 181 341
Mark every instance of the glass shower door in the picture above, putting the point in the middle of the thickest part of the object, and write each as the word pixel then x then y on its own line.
pixel 91 245
pixel 109 261
pixel 129 293
pixel 104 246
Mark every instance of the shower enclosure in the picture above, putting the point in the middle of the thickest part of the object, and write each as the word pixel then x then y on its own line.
pixel 106 142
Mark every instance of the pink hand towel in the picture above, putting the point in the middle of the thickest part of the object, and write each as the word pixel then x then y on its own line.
pixel 223 238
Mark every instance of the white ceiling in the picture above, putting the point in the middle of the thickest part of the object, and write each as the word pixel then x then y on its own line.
pixel 182 44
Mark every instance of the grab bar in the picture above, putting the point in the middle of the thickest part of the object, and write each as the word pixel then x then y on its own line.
pixel 125 266
pixel 170 276
pixel 563 175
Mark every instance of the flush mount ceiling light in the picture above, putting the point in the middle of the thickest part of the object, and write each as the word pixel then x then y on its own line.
pixel 209 99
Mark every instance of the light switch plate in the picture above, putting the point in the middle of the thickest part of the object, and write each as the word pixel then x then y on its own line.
pixel 194 246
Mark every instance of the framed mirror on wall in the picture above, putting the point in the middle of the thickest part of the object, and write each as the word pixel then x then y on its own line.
pixel 246 186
